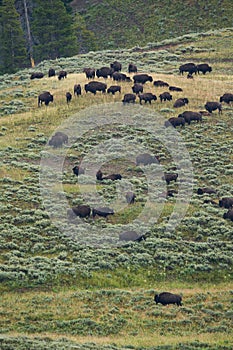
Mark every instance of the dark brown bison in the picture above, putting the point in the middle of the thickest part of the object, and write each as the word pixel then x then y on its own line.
pixel 36 75
pixel 113 177
pixel 104 72
pixel 116 66
pixel 146 159
pixel 113 89
pixel 180 102
pixel 117 76
pixel 226 98
pixel 226 202
pixel 68 97
pixel 175 122
pixel 166 298
pixel 51 73
pixel 147 97
pixel 136 88
pixel 132 68
pixel 203 190
pixel 188 67
pixel 58 139
pixel 131 236
pixel 81 211
pixel 160 83
pixel 204 68
pixel 129 98
pixel 102 211
pixel 142 78
pixel 130 197
pixel 94 86
pixel 45 97
pixel 191 116
pixel 168 177
pixel 62 74
pixel 228 215
pixel 78 170
pixel 77 90
pixel 212 106
pixel 99 175
pixel 175 88
pixel 90 73
pixel 165 96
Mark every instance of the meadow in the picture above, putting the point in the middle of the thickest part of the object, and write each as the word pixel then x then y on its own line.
pixel 62 291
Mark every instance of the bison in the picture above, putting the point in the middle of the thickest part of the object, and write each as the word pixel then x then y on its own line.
pixel 203 67
pixel 62 74
pixel 130 197
pixel 104 72
pixel 58 139
pixel 146 159
pixel 129 98
pixel 175 88
pixel 90 73
pixel 78 170
pixel 77 90
pixel 117 76
pixel 165 96
pixel 116 66
pixel 168 177
pixel 51 73
pixel 203 190
pixel 142 78
pixel 132 68
pixel 131 236
pixel 68 97
pixel 161 83
pixel 94 86
pixel 136 88
pixel 226 98
pixel 45 97
pixel 191 116
pixel 81 211
pixel 180 102
pixel 36 75
pixel 226 202
pixel 113 177
pixel 228 215
pixel 180 121
pixel 147 97
pixel 102 211
pixel 166 298
pixel 212 106
pixel 113 89
pixel 188 67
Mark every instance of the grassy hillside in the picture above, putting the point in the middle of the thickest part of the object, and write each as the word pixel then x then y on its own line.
pixel 127 23
pixel 58 292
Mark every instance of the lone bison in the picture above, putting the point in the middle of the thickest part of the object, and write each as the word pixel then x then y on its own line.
pixel 226 98
pixel 212 106
pixel 113 89
pixel 188 67
pixel 129 98
pixel 146 159
pixel 68 97
pixel 62 74
pixel 103 211
pixel 180 121
pixel 165 96
pixel 81 211
pixel 90 73
pixel 136 88
pixel 131 236
pixel 160 83
pixel 180 102
pixel 132 68
pixel 228 215
pixel 51 73
pixel 142 78
pixel 168 177
pixel 94 86
pixel 204 68
pixel 226 202
pixel 45 97
pixel 78 170
pixel 166 298
pixel 130 197
pixel 147 97
pixel 77 90
pixel 36 75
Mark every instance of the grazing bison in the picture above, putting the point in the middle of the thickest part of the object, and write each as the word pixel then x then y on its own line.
pixel 45 97
pixel 147 97
pixel 188 67
pixel 168 177
pixel 228 215
pixel 51 73
pixel 116 66
pixel 203 67
pixel 78 170
pixel 203 190
pixel 166 298
pixel 81 211
pixel 62 74
pixel 103 211
pixel 113 89
pixel 104 72
pixel 165 96
pixel 180 102
pixel 131 236
pixel 146 159
pixel 180 121
pixel 175 88
pixel 68 97
pixel 132 68
pixel 226 202
pixel 129 98
pixel 160 83
pixel 77 90
pixel 142 78
pixel 90 73
pixel 58 139
pixel 226 98
pixel 94 86
pixel 191 116
pixel 130 197
pixel 136 88
pixel 36 75
pixel 212 106
pixel 117 76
